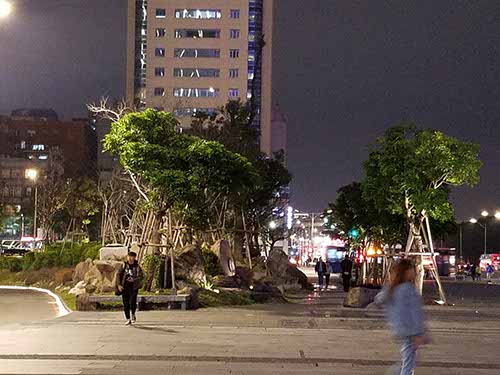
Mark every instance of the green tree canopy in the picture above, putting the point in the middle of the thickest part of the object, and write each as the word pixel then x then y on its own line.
pixel 408 172
pixel 180 170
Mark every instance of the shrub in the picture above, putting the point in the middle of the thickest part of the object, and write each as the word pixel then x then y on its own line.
pixel 211 263
pixel 52 256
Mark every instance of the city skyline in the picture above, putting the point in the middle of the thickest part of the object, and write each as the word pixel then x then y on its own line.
pixel 354 81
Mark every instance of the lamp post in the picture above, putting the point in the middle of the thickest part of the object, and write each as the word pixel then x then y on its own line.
pixel 5 8
pixel 32 174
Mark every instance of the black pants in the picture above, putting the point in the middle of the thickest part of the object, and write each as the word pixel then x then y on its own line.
pixel 129 297
pixel 346 282
pixel 327 280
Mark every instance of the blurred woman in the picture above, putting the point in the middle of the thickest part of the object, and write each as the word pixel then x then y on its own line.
pixel 404 312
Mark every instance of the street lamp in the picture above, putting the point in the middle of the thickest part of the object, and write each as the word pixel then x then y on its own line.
pixel 484 214
pixel 32 174
pixel 474 221
pixel 272 225
pixel 5 8
pixel 497 215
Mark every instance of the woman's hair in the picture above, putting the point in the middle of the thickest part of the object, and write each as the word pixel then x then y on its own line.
pixel 398 273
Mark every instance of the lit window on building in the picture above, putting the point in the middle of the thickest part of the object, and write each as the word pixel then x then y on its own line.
pixel 43 157
pixel 159 72
pixel 189 112
pixel 159 91
pixel 5 173
pixel 234 73
pixel 196 73
pixel 197 33
pixel 38 147
pixel 161 13
pixel 235 13
pixel 31 133
pixel 234 34
pixel 196 53
pixel 23 145
pixel 198 13
pixel 196 92
pixel 160 52
pixel 234 93
pixel 234 53
pixel 161 32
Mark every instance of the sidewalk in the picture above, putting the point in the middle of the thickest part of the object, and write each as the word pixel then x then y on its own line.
pixel 265 339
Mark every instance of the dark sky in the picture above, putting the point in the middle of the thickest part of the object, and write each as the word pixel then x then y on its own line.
pixel 345 70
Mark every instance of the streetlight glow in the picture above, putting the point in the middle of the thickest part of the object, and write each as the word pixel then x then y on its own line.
pixel 497 215
pixel 5 8
pixel 473 221
pixel 32 174
pixel 484 213
pixel 272 225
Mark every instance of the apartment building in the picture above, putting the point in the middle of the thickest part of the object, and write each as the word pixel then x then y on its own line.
pixel 186 56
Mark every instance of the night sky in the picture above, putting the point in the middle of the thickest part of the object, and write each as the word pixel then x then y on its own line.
pixel 344 72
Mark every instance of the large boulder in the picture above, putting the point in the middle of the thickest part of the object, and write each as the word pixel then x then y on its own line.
pixel 101 277
pixel 223 251
pixel 284 273
pixel 360 297
pixel 113 252
pixel 81 270
pixel 188 264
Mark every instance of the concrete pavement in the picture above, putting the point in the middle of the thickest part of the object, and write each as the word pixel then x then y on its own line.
pixel 26 305
pixel 314 334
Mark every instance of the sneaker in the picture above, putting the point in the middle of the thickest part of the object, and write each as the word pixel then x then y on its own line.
pixel 133 318
pixel 128 323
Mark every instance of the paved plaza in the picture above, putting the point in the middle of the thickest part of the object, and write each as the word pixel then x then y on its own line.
pixel 314 334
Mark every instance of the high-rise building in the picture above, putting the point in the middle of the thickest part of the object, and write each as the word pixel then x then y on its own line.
pixel 186 56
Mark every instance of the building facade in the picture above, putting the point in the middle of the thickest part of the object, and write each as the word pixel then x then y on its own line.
pixel 28 140
pixel 186 56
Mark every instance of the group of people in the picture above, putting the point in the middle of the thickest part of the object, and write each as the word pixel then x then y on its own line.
pixel 324 270
pixel 474 271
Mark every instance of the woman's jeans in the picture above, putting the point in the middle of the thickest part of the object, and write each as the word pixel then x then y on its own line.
pixel 408 356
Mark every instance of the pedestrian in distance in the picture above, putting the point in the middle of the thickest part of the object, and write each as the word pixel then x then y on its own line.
pixel 320 269
pixel 128 282
pixel 478 272
pixel 346 266
pixel 489 272
pixel 404 312
pixel 328 271
pixel 473 272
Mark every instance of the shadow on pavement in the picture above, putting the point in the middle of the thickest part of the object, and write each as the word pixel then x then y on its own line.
pixel 154 329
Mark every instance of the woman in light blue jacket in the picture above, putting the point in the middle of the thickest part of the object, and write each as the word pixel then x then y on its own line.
pixel 404 312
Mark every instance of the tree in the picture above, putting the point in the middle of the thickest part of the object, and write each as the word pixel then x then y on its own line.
pixel 232 126
pixel 178 169
pixel 354 213
pixel 409 173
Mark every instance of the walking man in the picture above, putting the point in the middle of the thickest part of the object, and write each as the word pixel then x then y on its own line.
pixel 320 269
pixel 128 282
pixel 473 272
pixel 346 266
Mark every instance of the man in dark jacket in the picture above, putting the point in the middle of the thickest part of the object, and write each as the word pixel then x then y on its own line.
pixel 320 269
pixel 346 265
pixel 128 282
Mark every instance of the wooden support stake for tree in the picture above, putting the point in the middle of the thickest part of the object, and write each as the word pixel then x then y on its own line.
pixel 434 264
pixel 247 243
pixel 174 289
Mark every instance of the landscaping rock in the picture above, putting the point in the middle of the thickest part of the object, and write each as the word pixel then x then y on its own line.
pixel 78 289
pixel 243 277
pixel 189 264
pixel 102 275
pixel 113 252
pixel 223 251
pixel 360 297
pixel 225 282
pixel 283 273
pixel 81 270
pixel 83 303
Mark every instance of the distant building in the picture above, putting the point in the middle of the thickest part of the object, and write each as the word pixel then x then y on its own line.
pixel 27 139
pixel 186 56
